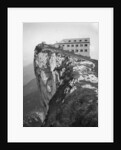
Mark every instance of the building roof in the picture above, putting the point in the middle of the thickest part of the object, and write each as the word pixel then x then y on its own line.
pixel 72 42
pixel 66 40
pixel 76 38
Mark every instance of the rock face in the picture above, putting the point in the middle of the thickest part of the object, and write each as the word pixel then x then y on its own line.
pixel 68 85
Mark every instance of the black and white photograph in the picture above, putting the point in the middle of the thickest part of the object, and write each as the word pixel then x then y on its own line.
pixel 60 74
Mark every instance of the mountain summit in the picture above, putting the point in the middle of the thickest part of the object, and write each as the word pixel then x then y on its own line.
pixel 68 84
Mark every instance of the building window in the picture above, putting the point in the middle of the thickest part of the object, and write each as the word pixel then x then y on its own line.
pixel 85 50
pixel 72 45
pixel 63 45
pixel 81 50
pixel 80 40
pixel 74 40
pixel 85 44
pixel 81 44
pixel 76 50
pixel 85 40
pixel 76 45
pixel 69 41
pixel 68 45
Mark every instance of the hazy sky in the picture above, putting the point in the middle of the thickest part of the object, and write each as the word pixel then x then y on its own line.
pixel 35 33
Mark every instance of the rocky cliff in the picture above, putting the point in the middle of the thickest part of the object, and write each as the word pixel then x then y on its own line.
pixel 68 84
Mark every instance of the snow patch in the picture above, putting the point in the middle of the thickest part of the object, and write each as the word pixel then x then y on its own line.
pixel 88 86
pixel 73 89
pixel 80 69
pixel 92 78
pixel 48 88
pixel 53 62
pixel 42 60
pixel 61 73
pixel 59 60
pixel 44 77
pixel 80 78
pixel 53 65
pixel 41 115
pixel 86 62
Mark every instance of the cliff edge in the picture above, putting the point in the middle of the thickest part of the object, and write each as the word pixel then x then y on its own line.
pixel 68 84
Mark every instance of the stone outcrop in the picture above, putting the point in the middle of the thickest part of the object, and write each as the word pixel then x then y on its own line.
pixel 68 84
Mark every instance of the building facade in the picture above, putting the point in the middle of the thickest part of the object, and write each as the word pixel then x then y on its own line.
pixel 80 46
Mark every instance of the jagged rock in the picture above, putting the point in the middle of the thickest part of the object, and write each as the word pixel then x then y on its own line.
pixel 68 84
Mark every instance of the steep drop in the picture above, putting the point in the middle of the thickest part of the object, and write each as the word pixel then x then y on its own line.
pixel 68 84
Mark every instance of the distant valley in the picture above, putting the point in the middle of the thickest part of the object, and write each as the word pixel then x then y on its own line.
pixel 28 74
